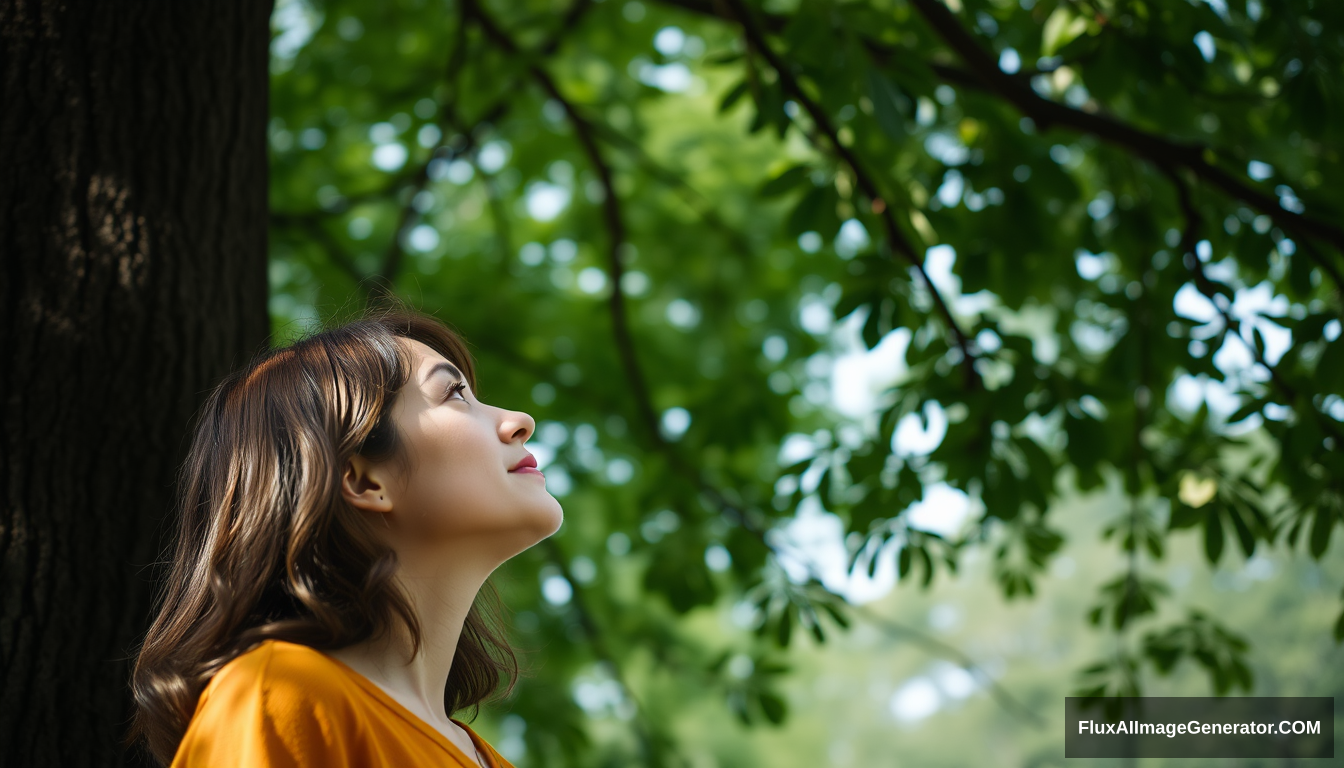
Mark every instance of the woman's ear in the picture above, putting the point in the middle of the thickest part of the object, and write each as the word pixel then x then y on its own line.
pixel 363 485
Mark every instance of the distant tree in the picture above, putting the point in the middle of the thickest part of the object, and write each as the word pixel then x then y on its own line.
pixel 133 227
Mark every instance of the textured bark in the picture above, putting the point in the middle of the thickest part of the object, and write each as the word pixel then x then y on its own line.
pixel 133 233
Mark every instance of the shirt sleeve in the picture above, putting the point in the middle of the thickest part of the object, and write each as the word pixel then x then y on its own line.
pixel 268 716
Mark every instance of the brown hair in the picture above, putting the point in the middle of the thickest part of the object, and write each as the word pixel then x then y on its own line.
pixel 266 545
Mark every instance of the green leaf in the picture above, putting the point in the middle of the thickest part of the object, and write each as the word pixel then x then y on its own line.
pixel 769 108
pixel 734 95
pixel 739 707
pixel 1213 534
pixel 1258 339
pixel 888 105
pixel 1252 406
pixel 817 631
pixel 784 630
pixel 1311 328
pixel 824 487
pixel 873 507
pixel 1299 274
pixel 815 212
pixel 1087 443
pixel 1243 530
pixel 835 613
pixel 679 573
pixel 726 57
pixel 773 706
pixel 1321 528
pixel 1183 516
pixel 1330 368
pixel 1060 29
pixel 786 182
pixel 927 563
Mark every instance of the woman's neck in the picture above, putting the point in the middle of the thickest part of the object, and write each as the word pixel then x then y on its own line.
pixel 441 591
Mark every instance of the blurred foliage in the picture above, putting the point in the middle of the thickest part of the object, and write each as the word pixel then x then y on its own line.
pixel 1100 234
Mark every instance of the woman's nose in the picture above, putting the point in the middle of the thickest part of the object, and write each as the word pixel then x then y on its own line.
pixel 516 425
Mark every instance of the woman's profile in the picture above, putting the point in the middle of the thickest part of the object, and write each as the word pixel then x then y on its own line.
pixel 343 502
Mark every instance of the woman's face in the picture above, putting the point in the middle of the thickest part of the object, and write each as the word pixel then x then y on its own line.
pixel 460 483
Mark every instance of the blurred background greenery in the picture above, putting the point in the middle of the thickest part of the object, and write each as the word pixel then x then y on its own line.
pixel 1032 304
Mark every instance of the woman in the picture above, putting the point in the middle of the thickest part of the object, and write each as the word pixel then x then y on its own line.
pixel 343 502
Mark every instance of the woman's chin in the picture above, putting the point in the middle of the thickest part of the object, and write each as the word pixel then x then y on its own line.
pixel 555 515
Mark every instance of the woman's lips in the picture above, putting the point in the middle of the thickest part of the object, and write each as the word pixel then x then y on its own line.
pixel 528 465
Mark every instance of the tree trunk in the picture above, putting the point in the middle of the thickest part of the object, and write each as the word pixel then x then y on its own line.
pixel 133 230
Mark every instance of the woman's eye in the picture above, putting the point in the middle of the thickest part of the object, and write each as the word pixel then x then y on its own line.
pixel 456 388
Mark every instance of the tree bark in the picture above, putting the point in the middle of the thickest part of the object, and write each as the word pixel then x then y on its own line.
pixel 133 187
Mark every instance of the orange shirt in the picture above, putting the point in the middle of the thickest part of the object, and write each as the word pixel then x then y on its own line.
pixel 283 705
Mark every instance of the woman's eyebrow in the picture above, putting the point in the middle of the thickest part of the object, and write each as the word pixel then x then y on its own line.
pixel 448 368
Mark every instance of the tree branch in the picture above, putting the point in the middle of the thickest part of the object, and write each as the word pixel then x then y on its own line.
pixel 985 75
pixel 1164 153
pixel 1189 237
pixel 601 649
pixel 614 222
pixel 695 201
pixel 892 628
pixel 387 274
pixel 612 219
pixel 895 238
pixel 612 216
pixel 449 121
pixel 348 201
pixel 313 226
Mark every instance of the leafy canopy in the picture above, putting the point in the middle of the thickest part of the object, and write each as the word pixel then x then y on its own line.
pixel 740 259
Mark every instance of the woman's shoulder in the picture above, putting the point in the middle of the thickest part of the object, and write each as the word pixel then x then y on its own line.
pixel 282 674
pixel 283 658
pixel 278 703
